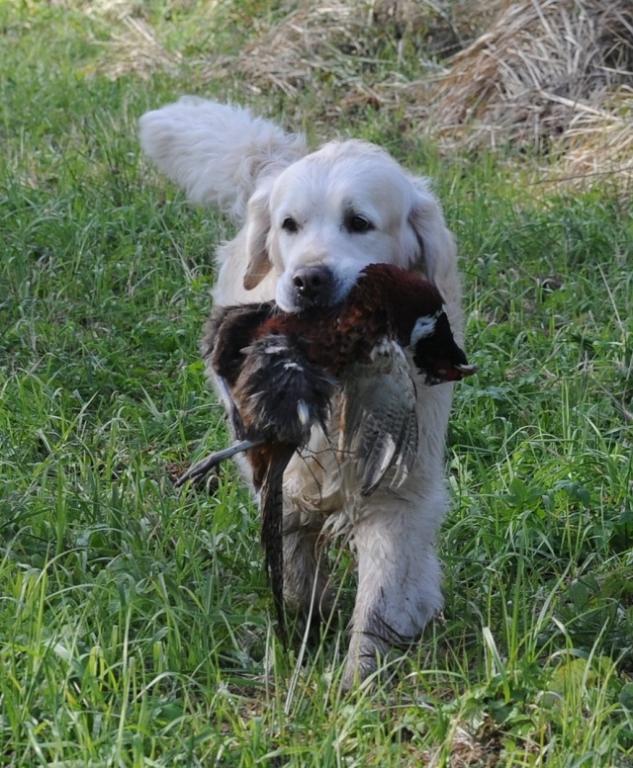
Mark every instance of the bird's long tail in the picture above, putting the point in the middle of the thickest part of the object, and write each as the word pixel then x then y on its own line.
pixel 271 503
pixel 201 469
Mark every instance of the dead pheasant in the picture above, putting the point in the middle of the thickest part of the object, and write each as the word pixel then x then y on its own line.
pixel 280 372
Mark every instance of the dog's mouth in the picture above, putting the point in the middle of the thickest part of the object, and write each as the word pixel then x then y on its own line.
pixel 292 301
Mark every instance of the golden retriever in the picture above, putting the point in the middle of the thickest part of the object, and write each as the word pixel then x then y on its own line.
pixel 309 223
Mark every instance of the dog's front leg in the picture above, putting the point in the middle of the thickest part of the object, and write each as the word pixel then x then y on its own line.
pixel 398 576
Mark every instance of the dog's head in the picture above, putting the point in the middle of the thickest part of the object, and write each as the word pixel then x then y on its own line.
pixel 325 217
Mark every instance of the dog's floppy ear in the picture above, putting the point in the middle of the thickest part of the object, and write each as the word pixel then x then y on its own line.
pixel 436 252
pixel 257 229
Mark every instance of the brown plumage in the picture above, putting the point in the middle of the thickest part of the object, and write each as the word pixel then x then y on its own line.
pixel 386 302
pixel 280 372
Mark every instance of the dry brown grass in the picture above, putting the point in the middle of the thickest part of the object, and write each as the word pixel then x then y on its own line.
pixel 310 44
pixel 350 53
pixel 554 75
pixel 313 48
pixel 600 141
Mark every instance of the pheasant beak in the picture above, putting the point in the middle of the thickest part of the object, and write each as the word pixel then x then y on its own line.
pixel 465 370
pixel 444 370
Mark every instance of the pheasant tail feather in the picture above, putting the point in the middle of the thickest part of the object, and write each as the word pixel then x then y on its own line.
pixel 271 503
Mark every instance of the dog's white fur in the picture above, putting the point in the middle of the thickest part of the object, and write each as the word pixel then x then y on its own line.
pixel 260 175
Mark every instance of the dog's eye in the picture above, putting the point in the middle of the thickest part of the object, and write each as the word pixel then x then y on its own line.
pixel 289 225
pixel 358 224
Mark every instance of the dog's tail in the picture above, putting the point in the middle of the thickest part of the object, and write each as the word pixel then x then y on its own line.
pixel 216 152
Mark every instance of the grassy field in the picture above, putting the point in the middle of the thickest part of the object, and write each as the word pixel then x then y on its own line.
pixel 135 622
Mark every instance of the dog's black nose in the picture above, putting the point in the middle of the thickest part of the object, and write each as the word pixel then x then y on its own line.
pixel 313 286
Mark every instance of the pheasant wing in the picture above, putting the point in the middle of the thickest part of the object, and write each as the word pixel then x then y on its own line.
pixel 379 429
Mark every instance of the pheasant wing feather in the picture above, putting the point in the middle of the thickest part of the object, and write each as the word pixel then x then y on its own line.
pixel 379 425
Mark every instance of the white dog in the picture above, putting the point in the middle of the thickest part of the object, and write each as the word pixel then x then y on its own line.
pixel 310 223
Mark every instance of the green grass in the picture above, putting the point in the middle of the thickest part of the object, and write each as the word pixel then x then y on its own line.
pixel 135 621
